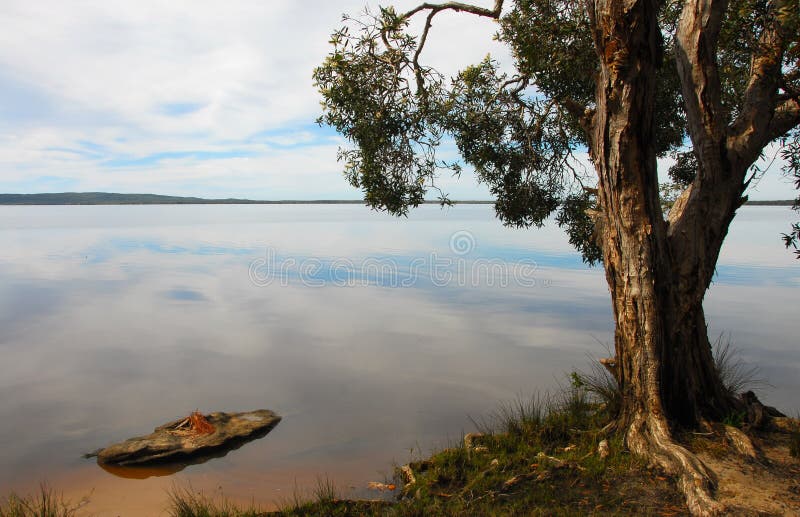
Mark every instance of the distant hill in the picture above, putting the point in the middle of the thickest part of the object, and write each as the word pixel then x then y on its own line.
pixel 780 202
pixel 106 198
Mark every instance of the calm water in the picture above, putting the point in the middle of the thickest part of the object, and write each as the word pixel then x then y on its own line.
pixel 375 338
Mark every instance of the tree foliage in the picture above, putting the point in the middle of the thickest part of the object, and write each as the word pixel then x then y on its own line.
pixel 791 155
pixel 522 133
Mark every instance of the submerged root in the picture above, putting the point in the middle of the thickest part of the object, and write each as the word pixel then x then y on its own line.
pixel 650 438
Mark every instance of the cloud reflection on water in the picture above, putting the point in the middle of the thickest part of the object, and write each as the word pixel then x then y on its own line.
pixel 103 336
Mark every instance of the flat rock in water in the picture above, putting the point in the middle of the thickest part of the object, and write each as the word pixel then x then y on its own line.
pixel 168 443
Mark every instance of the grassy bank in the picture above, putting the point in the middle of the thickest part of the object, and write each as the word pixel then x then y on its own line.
pixel 544 456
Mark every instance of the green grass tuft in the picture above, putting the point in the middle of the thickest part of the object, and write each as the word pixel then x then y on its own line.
pixel 736 375
pixel 46 503
pixel 600 386
pixel 185 502
pixel 325 500
pixel 537 457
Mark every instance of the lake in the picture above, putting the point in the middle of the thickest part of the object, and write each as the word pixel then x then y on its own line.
pixel 377 339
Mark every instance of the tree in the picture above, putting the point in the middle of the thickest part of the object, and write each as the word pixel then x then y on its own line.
pixel 712 82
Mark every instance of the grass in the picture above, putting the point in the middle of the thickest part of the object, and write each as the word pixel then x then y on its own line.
pixel 45 503
pixel 185 502
pixel 323 500
pixel 736 375
pixel 536 456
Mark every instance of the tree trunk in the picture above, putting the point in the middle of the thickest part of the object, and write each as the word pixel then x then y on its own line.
pixel 692 391
pixel 664 364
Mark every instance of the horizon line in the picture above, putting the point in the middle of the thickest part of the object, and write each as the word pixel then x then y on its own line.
pixel 118 198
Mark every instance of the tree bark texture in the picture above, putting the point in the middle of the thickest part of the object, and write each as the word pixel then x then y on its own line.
pixel 664 364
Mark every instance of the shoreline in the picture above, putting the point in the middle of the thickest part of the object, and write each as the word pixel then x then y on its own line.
pixel 111 198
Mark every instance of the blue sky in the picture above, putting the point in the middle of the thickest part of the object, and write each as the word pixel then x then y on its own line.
pixel 199 98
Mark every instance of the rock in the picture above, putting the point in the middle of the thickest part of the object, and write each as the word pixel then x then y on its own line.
pixel 470 438
pixel 544 459
pixel 381 487
pixel 602 449
pixel 169 443
pixel 408 476
pixel 741 442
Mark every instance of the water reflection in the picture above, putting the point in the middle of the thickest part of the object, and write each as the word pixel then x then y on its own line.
pixel 143 472
pixel 113 319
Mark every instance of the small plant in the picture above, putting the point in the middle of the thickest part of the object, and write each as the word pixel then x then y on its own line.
pixel 735 374
pixel 735 419
pixel 44 504
pixel 185 502
pixel 325 491
pixel 518 417
pixel 323 499
pixel 600 385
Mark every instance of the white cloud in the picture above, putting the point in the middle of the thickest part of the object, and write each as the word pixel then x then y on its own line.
pixel 199 96
pixel 96 83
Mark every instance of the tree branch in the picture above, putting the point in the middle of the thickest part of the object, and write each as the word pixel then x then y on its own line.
pixel 422 40
pixel 789 78
pixel 436 9
pixel 699 218
pixel 457 6
pixel 696 43
pixel 520 80
pixel 786 118
pixel 750 132
pixel 580 112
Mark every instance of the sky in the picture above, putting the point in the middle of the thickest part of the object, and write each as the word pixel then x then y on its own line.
pixel 196 98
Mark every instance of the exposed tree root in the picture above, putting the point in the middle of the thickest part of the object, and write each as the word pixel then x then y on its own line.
pixel 742 443
pixel 649 437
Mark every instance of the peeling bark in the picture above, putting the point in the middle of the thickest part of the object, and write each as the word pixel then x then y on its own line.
pixel 663 359
pixel 725 149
